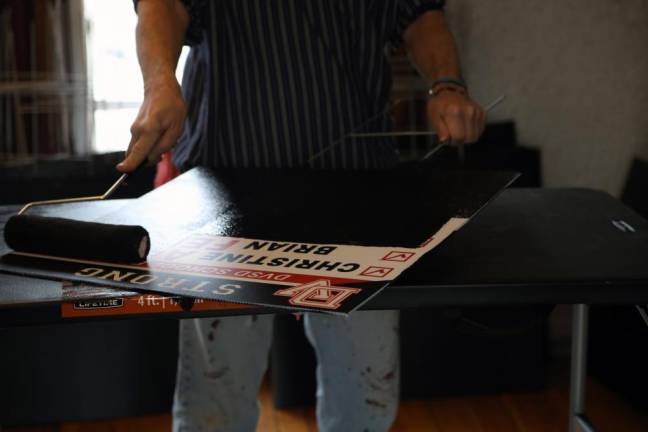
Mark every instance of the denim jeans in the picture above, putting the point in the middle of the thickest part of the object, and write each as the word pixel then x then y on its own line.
pixel 222 362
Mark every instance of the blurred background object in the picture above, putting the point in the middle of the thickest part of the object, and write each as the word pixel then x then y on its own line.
pixel 44 90
pixel 69 78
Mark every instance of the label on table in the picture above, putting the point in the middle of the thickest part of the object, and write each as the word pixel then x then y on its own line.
pixel 144 304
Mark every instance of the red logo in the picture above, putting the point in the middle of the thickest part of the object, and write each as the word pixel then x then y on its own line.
pixel 398 256
pixel 319 294
pixel 377 272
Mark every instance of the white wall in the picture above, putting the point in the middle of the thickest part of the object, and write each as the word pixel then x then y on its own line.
pixel 575 73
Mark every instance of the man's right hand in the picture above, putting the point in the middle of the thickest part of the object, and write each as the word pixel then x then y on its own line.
pixel 161 28
pixel 158 124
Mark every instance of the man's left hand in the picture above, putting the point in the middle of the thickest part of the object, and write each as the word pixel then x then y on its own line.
pixel 456 118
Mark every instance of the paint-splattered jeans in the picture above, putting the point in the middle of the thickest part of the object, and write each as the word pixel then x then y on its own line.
pixel 222 362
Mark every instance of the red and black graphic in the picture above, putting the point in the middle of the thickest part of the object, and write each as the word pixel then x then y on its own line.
pixel 318 294
pixel 377 272
pixel 399 256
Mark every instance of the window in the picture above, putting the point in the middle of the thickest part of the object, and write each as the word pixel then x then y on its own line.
pixel 115 79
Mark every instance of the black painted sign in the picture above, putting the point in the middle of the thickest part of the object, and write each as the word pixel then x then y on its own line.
pixel 300 240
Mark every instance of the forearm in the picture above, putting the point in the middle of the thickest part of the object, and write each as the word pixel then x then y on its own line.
pixel 160 33
pixel 161 28
pixel 431 47
pixel 455 117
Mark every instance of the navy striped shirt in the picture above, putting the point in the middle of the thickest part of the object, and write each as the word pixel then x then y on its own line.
pixel 270 83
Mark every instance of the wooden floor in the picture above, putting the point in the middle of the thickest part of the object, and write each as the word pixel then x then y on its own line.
pixel 544 411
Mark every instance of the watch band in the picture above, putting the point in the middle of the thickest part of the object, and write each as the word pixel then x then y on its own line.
pixel 450 80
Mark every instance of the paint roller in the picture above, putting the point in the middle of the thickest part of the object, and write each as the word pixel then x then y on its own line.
pixel 60 237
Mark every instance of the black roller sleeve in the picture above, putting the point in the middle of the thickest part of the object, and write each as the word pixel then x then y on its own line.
pixel 76 239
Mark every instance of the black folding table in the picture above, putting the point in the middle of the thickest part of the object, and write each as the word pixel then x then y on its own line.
pixel 529 246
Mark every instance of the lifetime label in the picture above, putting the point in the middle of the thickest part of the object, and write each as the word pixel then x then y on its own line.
pixel 99 304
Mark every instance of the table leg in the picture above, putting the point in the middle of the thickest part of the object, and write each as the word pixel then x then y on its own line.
pixel 580 320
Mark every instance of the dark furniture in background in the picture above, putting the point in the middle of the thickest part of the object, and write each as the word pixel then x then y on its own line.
pixel 438 344
pixel 69 177
pixel 618 335
pixel 52 373
pixel 89 371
